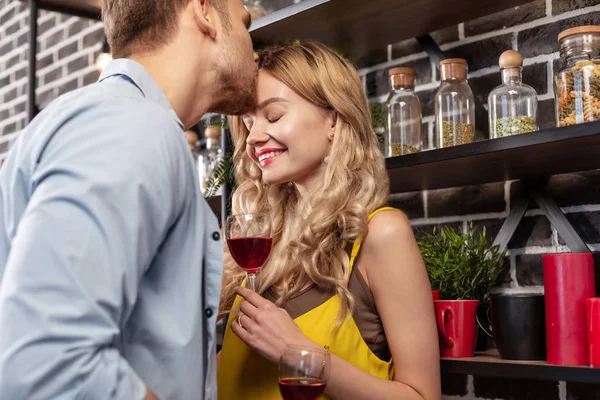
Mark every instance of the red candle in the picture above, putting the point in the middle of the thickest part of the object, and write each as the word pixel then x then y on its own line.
pixel 593 330
pixel 568 282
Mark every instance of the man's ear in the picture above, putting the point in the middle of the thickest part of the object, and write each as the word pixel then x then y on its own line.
pixel 203 21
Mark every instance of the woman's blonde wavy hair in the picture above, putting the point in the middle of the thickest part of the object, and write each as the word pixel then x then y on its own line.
pixel 311 236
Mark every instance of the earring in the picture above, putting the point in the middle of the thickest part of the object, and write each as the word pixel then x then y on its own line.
pixel 326 160
pixel 331 137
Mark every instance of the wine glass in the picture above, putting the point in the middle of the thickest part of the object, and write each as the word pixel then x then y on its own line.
pixel 303 372
pixel 249 240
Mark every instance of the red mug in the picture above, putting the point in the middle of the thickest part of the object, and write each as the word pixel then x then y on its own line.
pixel 435 294
pixel 457 328
pixel 592 308
pixel 568 282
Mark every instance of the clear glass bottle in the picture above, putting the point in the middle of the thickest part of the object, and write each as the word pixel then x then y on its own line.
pixel 454 105
pixel 512 106
pixel 209 157
pixel 403 122
pixel 255 8
pixel 577 81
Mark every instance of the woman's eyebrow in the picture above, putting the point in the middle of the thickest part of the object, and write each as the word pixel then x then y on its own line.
pixel 271 101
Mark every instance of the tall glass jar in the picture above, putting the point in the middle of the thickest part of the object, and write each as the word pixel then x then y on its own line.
pixel 403 125
pixel 209 157
pixel 512 105
pixel 454 105
pixel 255 8
pixel 577 82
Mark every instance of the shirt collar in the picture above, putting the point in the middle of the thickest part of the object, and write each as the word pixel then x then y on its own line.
pixel 138 75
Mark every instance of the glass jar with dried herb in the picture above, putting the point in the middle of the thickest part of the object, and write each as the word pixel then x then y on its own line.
pixel 512 105
pixel 454 105
pixel 577 82
pixel 403 124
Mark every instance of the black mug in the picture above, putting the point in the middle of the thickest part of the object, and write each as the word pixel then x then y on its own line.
pixel 518 326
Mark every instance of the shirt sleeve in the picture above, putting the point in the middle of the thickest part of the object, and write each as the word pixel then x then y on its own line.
pixel 106 189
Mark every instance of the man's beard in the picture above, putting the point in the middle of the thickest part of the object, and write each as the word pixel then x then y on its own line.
pixel 235 99
pixel 237 88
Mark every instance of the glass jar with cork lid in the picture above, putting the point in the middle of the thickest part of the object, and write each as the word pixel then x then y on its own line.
pixel 403 123
pixel 255 8
pixel 577 81
pixel 513 104
pixel 210 156
pixel 454 105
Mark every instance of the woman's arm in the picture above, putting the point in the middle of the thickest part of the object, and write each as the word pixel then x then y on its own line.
pixel 391 264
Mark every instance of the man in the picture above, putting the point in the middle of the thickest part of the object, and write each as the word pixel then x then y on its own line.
pixel 110 259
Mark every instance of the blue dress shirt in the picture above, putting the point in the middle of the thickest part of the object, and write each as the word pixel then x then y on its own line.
pixel 110 259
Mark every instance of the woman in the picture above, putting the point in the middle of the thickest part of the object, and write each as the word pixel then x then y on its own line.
pixel 346 272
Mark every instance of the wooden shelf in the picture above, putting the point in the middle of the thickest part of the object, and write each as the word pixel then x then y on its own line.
pixel 538 154
pixel 81 8
pixel 357 27
pixel 490 364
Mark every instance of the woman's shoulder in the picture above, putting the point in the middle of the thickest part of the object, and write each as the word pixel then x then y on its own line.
pixel 389 238
pixel 387 224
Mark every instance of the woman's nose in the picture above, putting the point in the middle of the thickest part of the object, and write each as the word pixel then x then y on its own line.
pixel 257 136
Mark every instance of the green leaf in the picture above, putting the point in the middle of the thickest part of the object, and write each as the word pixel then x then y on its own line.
pixel 377 115
pixel 224 173
pixel 461 264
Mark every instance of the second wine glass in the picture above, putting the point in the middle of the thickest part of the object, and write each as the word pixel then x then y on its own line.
pixel 303 372
pixel 249 239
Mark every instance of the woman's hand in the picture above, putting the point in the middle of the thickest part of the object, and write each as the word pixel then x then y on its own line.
pixel 266 328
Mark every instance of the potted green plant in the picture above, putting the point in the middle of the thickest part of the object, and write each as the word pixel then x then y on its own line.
pixel 463 265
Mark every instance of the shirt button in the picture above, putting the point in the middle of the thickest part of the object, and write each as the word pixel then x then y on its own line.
pixel 216 236
pixel 208 312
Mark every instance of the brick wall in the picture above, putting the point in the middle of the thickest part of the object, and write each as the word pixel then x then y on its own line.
pixel 66 56
pixel 68 47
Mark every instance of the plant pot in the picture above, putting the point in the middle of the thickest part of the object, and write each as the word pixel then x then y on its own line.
pixel 457 328
pixel 481 340
pixel 435 294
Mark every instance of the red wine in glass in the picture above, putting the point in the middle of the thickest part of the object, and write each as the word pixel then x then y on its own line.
pixel 249 240
pixel 301 388
pixel 250 253
pixel 303 372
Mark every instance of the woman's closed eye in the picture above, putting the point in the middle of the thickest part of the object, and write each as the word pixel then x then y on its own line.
pixel 272 119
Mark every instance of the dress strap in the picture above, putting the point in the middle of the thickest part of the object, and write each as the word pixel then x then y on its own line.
pixel 358 241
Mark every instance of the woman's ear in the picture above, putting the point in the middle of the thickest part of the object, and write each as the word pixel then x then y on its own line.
pixel 202 18
pixel 334 118
pixel 332 122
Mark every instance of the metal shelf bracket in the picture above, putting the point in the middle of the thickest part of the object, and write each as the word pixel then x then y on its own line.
pixel 534 189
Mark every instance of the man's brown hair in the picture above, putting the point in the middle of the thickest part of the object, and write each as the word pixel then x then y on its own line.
pixel 145 24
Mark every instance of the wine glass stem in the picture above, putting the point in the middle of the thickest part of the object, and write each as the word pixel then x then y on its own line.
pixel 252 282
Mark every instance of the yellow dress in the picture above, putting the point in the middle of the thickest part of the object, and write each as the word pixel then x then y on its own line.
pixel 243 374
